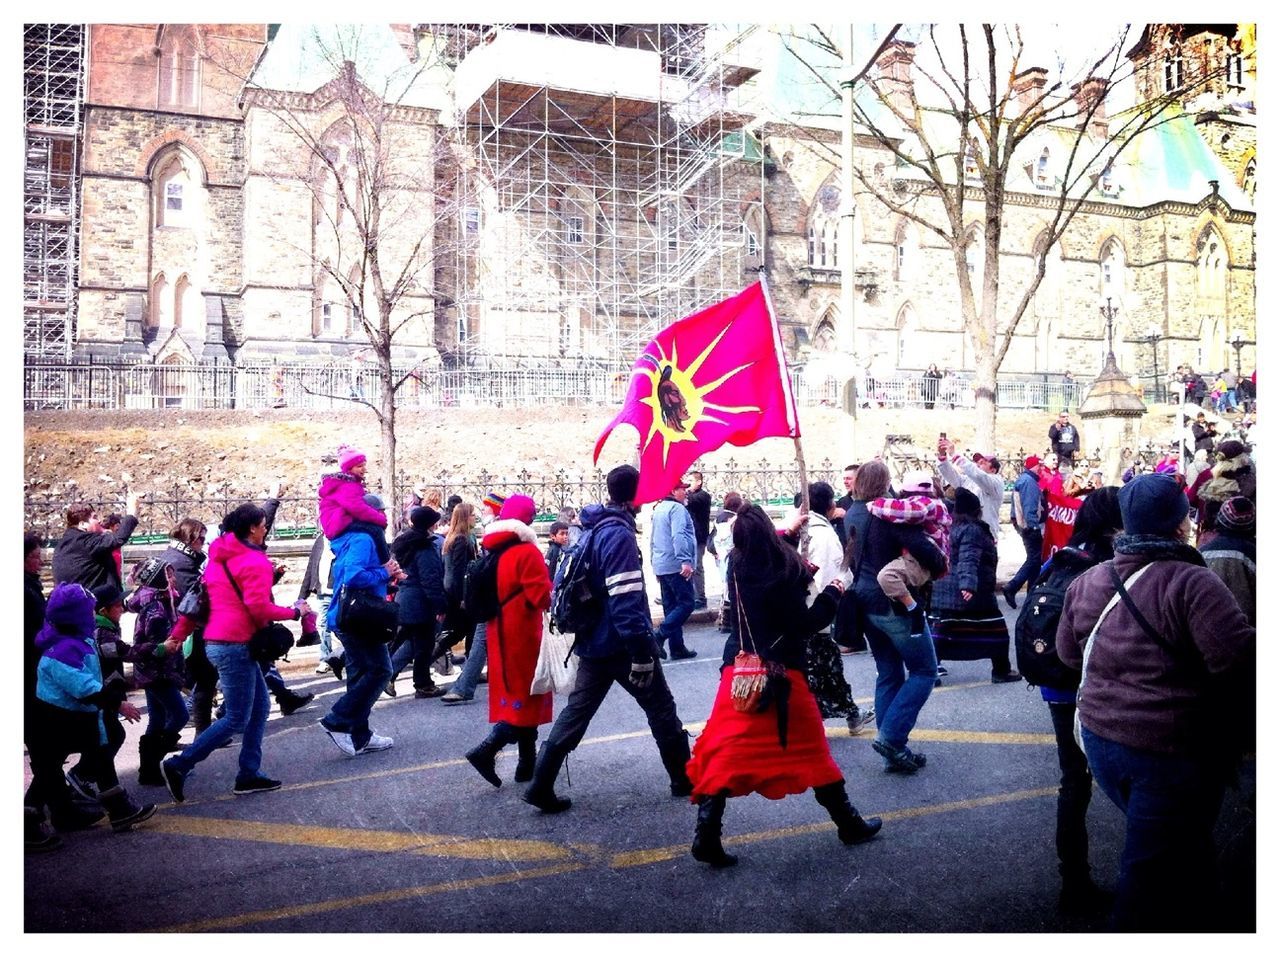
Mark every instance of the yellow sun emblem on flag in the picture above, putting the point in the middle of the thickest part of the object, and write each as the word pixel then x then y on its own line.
pixel 679 404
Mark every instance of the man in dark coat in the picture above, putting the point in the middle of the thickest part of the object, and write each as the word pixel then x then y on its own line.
pixel 620 649
pixel 85 553
pixel 698 504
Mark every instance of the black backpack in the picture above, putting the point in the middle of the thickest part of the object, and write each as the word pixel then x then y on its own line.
pixel 575 607
pixel 1035 636
pixel 480 585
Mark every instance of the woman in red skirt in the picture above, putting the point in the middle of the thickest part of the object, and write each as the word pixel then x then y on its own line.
pixel 780 748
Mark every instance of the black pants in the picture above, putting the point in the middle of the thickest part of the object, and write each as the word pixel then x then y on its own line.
pixel 1074 792
pixel 1033 542
pixel 595 677
pixel 421 639
pixel 62 733
pixel 85 767
pixel 848 624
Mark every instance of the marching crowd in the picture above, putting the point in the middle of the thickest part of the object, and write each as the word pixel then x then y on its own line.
pixel 1138 632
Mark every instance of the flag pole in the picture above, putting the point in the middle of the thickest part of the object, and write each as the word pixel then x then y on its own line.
pixel 792 419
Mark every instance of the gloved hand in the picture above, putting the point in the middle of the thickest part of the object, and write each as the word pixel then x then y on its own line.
pixel 917 619
pixel 642 670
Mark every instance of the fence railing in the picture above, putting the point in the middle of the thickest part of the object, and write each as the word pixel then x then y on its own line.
pixel 330 386
pixel 158 513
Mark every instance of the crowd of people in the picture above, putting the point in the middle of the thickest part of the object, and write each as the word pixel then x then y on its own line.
pixel 1151 700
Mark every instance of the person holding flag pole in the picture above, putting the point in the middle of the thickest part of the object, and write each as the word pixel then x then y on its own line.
pixel 715 377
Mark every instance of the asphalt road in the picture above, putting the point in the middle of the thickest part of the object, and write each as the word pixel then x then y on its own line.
pixel 413 840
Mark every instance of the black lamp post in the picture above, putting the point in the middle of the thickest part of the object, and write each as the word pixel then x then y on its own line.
pixel 1238 342
pixel 1153 338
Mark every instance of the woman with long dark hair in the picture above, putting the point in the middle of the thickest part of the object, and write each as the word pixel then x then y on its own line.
pixel 781 748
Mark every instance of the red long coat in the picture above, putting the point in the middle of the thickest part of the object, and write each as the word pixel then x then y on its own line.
pixel 515 637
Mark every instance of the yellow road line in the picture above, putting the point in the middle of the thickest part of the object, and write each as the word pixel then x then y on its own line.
pixel 382 897
pixel 591 855
pixel 357 839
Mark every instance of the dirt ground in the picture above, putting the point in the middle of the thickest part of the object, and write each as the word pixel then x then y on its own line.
pixel 96 454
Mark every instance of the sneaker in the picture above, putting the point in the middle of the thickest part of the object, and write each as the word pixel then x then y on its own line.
pixel 323 668
pixel 1008 676
pixel 255 785
pixel 136 816
pixel 682 655
pixel 860 719
pixel 343 741
pixel 173 780
pixel 898 761
pixel 435 691
pixel 390 689
pixel 845 651
pixel 376 742
pixel 86 789
pixel 454 698
pixel 942 671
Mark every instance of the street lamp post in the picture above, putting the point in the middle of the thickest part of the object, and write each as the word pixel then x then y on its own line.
pixel 1238 342
pixel 1153 338
pixel 1109 313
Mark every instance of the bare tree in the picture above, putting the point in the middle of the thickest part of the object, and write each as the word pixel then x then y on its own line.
pixel 957 126
pixel 366 152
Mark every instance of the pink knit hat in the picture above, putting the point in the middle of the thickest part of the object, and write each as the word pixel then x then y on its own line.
pixel 519 507
pixel 349 456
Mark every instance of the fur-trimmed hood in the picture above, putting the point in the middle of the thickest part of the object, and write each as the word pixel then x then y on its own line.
pixel 502 531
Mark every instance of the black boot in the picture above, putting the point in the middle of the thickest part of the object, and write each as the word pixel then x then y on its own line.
pixel 675 757
pixel 706 834
pixel 150 753
pixel 850 825
pixel 123 812
pixel 171 743
pixel 290 701
pixel 528 744
pixel 483 754
pixel 541 793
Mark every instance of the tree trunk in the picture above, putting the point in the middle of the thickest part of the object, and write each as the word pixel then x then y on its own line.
pixel 387 421
pixel 984 390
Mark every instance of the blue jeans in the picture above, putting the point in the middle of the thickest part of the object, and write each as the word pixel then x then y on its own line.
pixel 244 693
pixel 1170 802
pixel 322 625
pixel 166 708
pixel 368 671
pixel 677 606
pixel 1033 543
pixel 906 668
pixel 476 660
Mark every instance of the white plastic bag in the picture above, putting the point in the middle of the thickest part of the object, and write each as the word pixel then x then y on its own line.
pixel 552 675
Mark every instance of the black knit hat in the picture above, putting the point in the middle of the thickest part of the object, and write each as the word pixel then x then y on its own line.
pixel 104 596
pixel 424 518
pixel 622 483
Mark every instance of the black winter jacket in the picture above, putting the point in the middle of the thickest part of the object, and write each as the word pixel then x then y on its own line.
pixel 186 563
pixel 86 557
pixel 776 615
pixel 455 568
pixel 881 543
pixel 973 568
pixel 420 596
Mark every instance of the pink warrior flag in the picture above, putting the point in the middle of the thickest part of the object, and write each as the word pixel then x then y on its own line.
pixel 714 377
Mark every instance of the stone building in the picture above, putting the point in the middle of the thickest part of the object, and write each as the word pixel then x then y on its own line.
pixel 572 189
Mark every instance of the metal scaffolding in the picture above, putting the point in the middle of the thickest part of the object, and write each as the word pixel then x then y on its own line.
pixel 53 90
pixel 605 187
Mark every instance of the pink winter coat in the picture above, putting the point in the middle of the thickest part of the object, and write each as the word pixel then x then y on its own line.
pixel 231 619
pixel 342 502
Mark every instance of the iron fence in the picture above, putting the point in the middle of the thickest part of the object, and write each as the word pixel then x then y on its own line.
pixel 158 513
pixel 330 386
